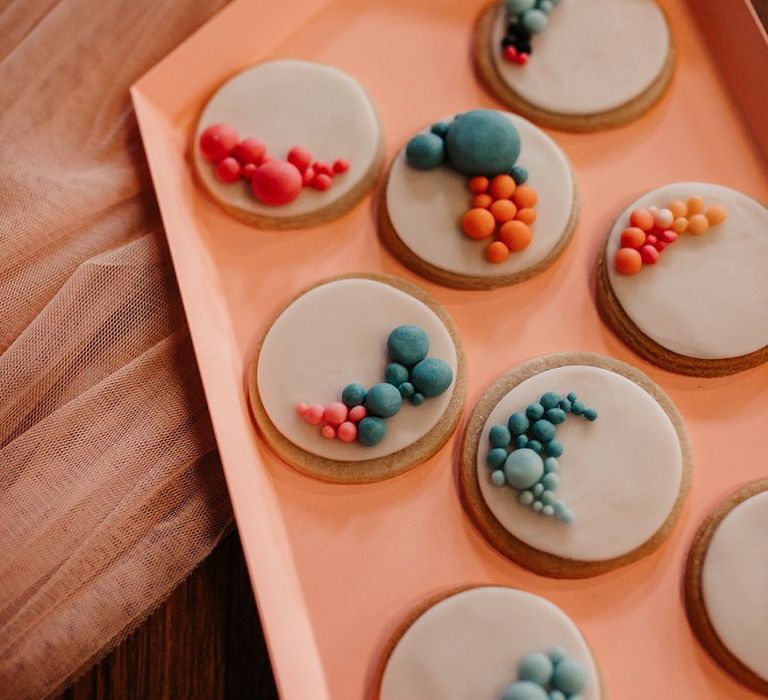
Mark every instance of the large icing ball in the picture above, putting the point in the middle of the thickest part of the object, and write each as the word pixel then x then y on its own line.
pixel 431 377
pixel 536 668
pixel 425 151
pixel 515 7
pixel 524 690
pixel 383 400
pixel 482 142
pixel 371 430
pixel 277 182
pixel 523 468
pixel 569 676
pixel 407 345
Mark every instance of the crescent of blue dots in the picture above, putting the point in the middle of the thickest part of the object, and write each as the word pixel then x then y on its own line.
pixel 410 375
pixel 550 676
pixel 524 19
pixel 524 453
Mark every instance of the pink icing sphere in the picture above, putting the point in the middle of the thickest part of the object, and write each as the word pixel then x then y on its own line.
pixel 250 151
pixel 335 413
pixel 300 157
pixel 228 169
pixel 217 142
pixel 329 432
pixel 357 414
pixel 347 432
pixel 314 414
pixel 276 182
pixel 301 408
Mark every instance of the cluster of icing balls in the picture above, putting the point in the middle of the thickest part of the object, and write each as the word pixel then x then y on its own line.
pixel 550 676
pixel 273 181
pixel 651 230
pixel 483 145
pixel 524 19
pixel 524 452
pixel 500 206
pixel 410 375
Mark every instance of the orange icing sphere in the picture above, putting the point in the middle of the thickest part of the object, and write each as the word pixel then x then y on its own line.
pixel 478 184
pixel 502 187
pixel 716 214
pixel 698 224
pixel 478 223
pixel 482 200
pixel 628 261
pixel 695 206
pixel 678 208
pixel 680 225
pixel 525 197
pixel 516 235
pixel 503 210
pixel 526 215
pixel 642 219
pixel 497 252
pixel 632 237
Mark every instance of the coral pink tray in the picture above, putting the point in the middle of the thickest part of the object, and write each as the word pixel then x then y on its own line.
pixel 335 568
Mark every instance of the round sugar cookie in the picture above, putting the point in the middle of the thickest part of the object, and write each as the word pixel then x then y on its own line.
pixel 700 309
pixel 488 642
pixel 591 64
pixel 287 104
pixel 725 583
pixel 574 464
pixel 422 212
pixel 358 379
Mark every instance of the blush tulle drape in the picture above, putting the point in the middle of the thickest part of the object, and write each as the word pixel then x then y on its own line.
pixel 110 485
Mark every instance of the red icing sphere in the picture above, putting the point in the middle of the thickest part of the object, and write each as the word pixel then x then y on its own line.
pixel 250 151
pixel 300 157
pixel 649 254
pixel 248 170
pixel 309 175
pixel 228 170
pixel 321 182
pixel 217 142
pixel 277 182
pixel 323 168
pixel 341 165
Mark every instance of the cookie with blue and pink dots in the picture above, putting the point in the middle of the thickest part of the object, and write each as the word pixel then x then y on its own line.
pixel 575 464
pixel 358 379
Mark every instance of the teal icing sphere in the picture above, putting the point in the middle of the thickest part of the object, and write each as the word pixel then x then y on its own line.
pixel 496 457
pixel 440 129
pixel 371 430
pixel 521 441
pixel 406 390
pixel 569 676
pixel 524 690
pixel 543 430
pixel 425 151
pixel 554 448
pixel 523 468
pixel 383 400
pixel 431 377
pixel 417 399
pixel 515 7
pixel 534 411
pixel 536 668
pixel 407 345
pixel 549 400
pixel 518 423
pixel 499 436
pixel 555 416
pixel 396 374
pixel 535 20
pixel 482 142
pixel 353 395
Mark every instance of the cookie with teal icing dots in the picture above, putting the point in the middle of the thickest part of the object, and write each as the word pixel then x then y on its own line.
pixel 358 379
pixel 478 200
pixel 556 474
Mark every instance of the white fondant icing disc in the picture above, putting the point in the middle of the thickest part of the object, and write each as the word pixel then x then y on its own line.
pixel 469 645
pixel 593 56
pixel 334 335
pixel 289 103
pixel 707 297
pixel 735 580
pixel 425 208
pixel 620 474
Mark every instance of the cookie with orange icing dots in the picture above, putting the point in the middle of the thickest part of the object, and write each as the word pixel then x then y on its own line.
pixel 479 200
pixel 681 279
pixel 287 144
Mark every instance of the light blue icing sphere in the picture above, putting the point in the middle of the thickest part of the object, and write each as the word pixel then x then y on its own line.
pixel 536 668
pixel 526 497
pixel 515 7
pixel 383 400
pixel 524 690
pixel 569 676
pixel 425 151
pixel 499 436
pixel 407 345
pixel 498 478
pixel 396 374
pixel 551 465
pixel 556 695
pixel 482 142
pixel 431 377
pixel 550 480
pixel 546 6
pixel 353 395
pixel 535 20
pixel 371 430
pixel 556 655
pixel 523 468
pixel 518 423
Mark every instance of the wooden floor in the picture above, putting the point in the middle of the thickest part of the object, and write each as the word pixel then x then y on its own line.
pixel 206 641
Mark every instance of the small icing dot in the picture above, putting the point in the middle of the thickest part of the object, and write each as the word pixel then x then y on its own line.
pixel 347 432
pixel 314 414
pixel 329 432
